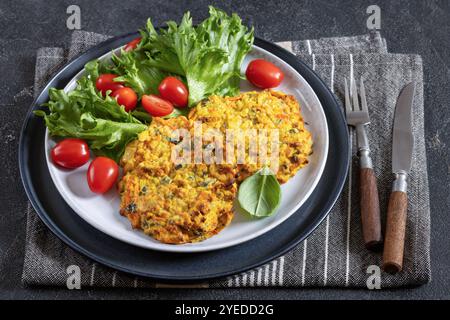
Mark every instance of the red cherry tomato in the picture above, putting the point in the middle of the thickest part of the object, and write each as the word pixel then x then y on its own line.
pixel 156 106
pixel 70 153
pixel 264 74
pixel 126 97
pixel 102 174
pixel 174 91
pixel 106 82
pixel 132 44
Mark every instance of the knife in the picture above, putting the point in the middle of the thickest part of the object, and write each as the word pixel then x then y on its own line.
pixel 402 149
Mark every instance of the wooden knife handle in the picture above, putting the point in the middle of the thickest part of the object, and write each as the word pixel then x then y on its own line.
pixel 370 210
pixel 395 232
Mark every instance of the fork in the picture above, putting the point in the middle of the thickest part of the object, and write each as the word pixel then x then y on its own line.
pixel 370 208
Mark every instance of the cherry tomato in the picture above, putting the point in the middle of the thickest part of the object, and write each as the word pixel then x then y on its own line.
pixel 132 44
pixel 126 97
pixel 106 82
pixel 156 106
pixel 264 74
pixel 102 174
pixel 174 91
pixel 70 153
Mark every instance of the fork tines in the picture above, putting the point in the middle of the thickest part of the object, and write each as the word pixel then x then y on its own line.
pixel 356 114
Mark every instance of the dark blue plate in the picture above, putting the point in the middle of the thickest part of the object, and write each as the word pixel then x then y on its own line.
pixel 175 267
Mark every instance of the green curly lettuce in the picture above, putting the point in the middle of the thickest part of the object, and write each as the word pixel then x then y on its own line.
pixel 208 56
pixel 84 113
pixel 136 72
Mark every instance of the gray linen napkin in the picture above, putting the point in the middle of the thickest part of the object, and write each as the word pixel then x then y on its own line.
pixel 334 255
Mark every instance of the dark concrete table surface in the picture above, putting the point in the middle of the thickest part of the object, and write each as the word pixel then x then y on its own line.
pixel 412 26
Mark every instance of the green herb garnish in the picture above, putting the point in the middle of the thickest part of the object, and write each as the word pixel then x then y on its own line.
pixel 260 194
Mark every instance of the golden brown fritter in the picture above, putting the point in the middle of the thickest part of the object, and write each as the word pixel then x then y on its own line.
pixel 261 110
pixel 173 203
pixel 151 151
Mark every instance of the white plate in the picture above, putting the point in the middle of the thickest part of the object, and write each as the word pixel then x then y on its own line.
pixel 102 211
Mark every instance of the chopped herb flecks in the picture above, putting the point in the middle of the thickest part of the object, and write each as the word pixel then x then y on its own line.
pixel 132 208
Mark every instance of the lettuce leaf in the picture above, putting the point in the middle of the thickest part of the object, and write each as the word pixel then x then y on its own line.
pixel 100 121
pixel 132 69
pixel 137 73
pixel 209 56
pixel 228 34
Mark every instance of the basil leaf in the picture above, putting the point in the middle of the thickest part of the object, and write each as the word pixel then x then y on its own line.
pixel 260 194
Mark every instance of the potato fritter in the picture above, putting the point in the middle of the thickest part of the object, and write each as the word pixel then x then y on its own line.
pixel 173 203
pixel 182 203
pixel 261 110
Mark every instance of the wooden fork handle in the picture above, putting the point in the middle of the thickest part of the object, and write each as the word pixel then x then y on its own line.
pixel 395 232
pixel 370 210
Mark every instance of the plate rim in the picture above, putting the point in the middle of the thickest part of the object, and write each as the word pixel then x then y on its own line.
pixel 271 47
pixel 191 249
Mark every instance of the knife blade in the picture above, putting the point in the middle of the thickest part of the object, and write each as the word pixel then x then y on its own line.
pixel 402 151
pixel 403 140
